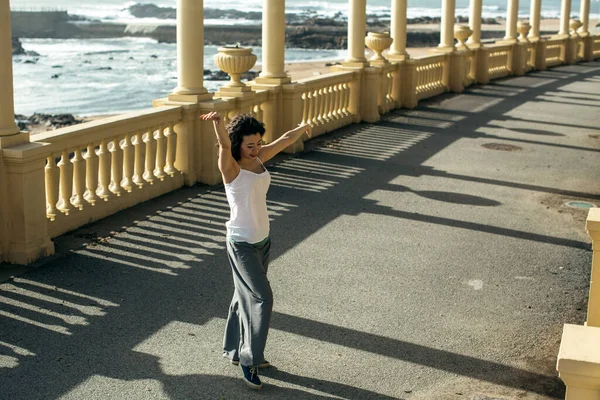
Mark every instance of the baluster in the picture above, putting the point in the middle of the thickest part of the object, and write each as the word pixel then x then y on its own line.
pixel 139 158
pixel 116 166
pixel 317 116
pixel 344 99
pixel 305 105
pixel 91 176
pixel 66 183
pixel 104 171
pixel 329 103
pixel 161 154
pixel 335 108
pixel 309 107
pixel 128 163
pixel 78 179
pixel 150 157
pixel 171 150
pixel 51 175
pixel 323 105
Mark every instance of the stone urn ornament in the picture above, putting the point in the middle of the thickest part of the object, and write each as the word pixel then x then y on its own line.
pixel 461 34
pixel 575 24
pixel 235 60
pixel 378 42
pixel 523 27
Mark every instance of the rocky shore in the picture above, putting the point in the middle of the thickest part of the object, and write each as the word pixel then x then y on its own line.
pixel 44 122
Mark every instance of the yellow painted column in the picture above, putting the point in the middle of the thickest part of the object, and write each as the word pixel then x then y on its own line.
pixel 512 15
pixel 474 40
pixel 447 26
pixel 534 20
pixel 585 17
pixel 190 52
pixel 357 30
pixel 273 43
pixel 565 16
pixel 7 105
pixel 398 31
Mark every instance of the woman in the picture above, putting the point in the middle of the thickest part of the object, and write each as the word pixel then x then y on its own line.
pixel 241 161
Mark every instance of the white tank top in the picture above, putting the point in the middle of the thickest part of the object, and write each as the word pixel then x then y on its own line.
pixel 247 198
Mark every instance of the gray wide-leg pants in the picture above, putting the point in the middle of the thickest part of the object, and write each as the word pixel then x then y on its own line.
pixel 252 304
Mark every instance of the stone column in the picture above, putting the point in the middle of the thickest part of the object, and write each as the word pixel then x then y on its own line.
pixel 7 105
pixel 398 31
pixel 357 30
pixel 534 20
pixel 447 26
pixel 585 17
pixel 474 40
pixel 565 17
pixel 190 52
pixel 512 15
pixel 273 43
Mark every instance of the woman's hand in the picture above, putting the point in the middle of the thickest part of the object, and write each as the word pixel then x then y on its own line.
pixel 306 128
pixel 212 116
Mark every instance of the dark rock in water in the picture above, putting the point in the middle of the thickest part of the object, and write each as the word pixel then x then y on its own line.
pixel 111 58
pixel 490 21
pixel 32 53
pixel 87 62
pixel 153 56
pixel 104 69
pixel 53 121
pixel 30 61
pixel 152 11
pixel 57 66
pixel 56 76
pixel 17 47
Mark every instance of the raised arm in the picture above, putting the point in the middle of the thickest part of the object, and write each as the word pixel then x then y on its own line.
pixel 270 150
pixel 227 165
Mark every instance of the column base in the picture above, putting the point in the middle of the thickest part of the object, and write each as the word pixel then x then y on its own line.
pixel 190 98
pixel 14 139
pixel 443 49
pixel 561 36
pixel 13 130
pixel 398 56
pixel 234 94
pixel 273 80
pixel 355 63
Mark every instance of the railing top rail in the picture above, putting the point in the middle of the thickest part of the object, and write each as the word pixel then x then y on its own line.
pixel 93 131
pixel 429 59
pixel 329 77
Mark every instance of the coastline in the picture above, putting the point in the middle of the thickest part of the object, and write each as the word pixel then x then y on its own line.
pixel 421 38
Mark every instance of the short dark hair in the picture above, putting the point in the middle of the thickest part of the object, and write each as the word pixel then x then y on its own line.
pixel 242 125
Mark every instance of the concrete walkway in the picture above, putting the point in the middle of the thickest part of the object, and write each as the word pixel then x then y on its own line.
pixel 427 257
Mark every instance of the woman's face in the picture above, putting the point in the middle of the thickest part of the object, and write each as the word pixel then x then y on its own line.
pixel 251 145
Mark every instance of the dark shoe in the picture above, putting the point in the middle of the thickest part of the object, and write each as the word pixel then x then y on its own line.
pixel 266 364
pixel 251 377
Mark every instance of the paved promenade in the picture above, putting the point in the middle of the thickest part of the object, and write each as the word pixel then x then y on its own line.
pixel 427 257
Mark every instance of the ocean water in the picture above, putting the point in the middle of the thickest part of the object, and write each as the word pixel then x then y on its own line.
pixel 105 76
